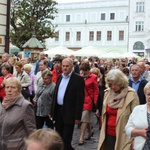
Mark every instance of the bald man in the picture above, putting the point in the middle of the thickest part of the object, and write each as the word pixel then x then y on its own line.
pixel 145 73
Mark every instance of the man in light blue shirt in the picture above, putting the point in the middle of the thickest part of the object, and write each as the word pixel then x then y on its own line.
pixel 137 82
pixel 68 102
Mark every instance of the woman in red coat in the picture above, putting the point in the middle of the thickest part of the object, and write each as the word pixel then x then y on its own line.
pixel 91 96
pixel 5 69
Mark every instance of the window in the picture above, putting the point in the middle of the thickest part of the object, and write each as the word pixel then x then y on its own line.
pixel 78 36
pixel 139 26
pixel 112 16
pixel 57 36
pixel 140 7
pixel 67 18
pixel 109 35
pixel 102 16
pixel 138 46
pixel 98 37
pixel 91 36
pixel 67 36
pixel 121 35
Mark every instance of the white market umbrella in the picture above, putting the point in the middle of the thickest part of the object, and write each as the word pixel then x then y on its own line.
pixel 60 50
pixel 11 46
pixel 88 51
pixel 110 55
pixel 129 55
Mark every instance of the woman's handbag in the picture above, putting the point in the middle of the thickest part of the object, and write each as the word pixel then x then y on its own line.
pixel 25 92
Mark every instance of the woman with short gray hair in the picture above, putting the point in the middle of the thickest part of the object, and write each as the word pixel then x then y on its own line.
pixel 43 100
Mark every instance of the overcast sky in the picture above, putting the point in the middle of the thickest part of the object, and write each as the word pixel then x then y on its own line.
pixel 69 1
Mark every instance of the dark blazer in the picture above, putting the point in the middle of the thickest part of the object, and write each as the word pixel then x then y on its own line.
pixel 140 91
pixel 73 99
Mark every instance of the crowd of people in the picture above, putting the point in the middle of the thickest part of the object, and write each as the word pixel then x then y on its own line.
pixel 62 92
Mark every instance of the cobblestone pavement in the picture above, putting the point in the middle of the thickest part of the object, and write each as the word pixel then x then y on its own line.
pixel 91 144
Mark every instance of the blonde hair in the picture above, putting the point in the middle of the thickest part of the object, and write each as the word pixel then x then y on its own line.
pixel 15 81
pixel 12 60
pixel 49 138
pixel 96 71
pixel 147 86
pixel 27 67
pixel 118 77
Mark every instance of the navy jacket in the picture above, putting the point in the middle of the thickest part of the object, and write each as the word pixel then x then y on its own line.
pixel 140 91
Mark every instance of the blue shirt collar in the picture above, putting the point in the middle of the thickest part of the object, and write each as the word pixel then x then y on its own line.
pixel 139 80
pixel 68 76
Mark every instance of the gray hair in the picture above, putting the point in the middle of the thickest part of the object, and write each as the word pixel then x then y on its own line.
pixel 69 60
pixel 46 73
pixel 137 66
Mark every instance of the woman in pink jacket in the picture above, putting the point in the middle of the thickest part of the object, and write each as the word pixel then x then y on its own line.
pixel 90 99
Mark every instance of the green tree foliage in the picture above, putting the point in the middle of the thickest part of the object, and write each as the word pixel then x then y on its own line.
pixel 32 16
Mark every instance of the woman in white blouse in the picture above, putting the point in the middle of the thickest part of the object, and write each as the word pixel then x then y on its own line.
pixel 139 121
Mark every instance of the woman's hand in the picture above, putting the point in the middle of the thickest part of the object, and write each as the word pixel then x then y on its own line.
pixel 97 113
pixel 143 132
pixel 139 132
pixel 35 102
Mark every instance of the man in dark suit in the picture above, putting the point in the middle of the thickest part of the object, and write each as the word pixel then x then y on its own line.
pixel 68 102
pixel 137 82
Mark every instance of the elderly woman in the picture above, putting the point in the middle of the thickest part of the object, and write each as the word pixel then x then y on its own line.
pixel 17 119
pixel 24 79
pixel 44 139
pixel 28 70
pixel 91 95
pixel 137 126
pixel 43 99
pixel 43 65
pixel 5 70
pixel 119 101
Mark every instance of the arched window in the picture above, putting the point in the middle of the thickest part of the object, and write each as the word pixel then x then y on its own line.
pixel 138 46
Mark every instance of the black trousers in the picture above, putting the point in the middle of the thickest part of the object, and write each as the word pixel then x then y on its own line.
pixel 65 130
pixel 41 120
pixel 110 142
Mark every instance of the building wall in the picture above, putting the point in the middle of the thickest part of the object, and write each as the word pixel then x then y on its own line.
pixel 139 16
pixel 3 6
pixel 86 17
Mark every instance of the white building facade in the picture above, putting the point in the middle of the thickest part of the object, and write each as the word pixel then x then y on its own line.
pixel 3 15
pixel 139 27
pixel 103 24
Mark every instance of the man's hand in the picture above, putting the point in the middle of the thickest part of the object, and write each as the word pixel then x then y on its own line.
pixel 77 121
